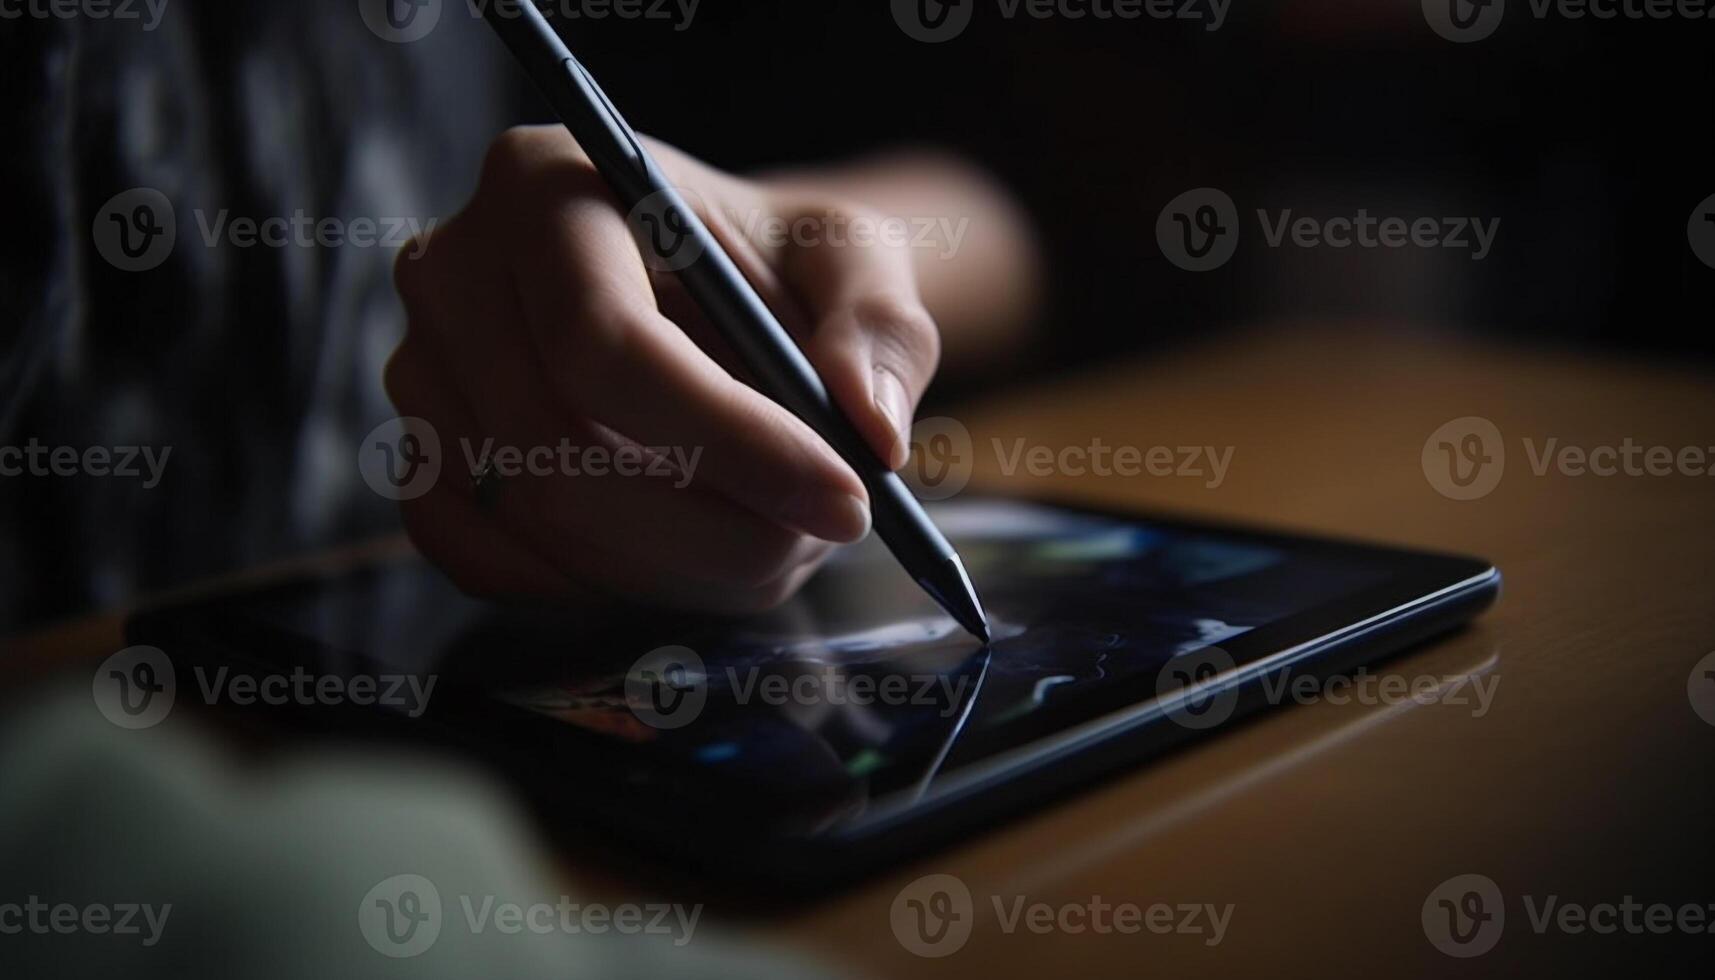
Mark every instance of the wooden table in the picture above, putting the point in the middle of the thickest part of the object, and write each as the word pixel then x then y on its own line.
pixel 1327 826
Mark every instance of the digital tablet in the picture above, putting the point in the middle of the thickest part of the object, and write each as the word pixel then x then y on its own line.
pixel 858 722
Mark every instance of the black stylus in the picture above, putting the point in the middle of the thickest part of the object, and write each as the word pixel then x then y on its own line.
pixel 682 243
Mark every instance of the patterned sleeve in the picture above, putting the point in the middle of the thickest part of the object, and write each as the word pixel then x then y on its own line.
pixel 232 379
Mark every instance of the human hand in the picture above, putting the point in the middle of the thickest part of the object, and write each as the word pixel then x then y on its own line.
pixel 535 325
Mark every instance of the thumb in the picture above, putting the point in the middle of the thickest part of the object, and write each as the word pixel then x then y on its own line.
pixel 871 338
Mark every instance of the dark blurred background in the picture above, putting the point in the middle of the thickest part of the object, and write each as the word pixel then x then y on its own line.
pixel 1582 137
pixel 1586 139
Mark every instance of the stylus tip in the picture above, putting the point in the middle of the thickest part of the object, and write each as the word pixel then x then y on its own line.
pixel 974 621
pixel 958 596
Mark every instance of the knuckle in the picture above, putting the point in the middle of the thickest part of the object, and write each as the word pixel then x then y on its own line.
pixel 416 267
pixel 839 210
pixel 511 155
pixel 524 155
pixel 592 347
pixel 903 326
pixel 419 268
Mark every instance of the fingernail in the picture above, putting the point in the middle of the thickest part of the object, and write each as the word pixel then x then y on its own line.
pixel 857 518
pixel 832 516
pixel 891 399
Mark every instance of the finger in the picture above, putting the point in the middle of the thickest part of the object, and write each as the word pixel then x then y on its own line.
pixel 480 557
pixel 742 224
pixel 872 340
pixel 571 495
pixel 690 550
pixel 610 355
pixel 604 520
pixel 574 496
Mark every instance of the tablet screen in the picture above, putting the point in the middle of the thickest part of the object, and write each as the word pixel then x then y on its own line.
pixel 859 703
pixel 862 687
